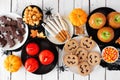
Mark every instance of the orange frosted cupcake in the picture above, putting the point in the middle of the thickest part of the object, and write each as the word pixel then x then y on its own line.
pixel 97 20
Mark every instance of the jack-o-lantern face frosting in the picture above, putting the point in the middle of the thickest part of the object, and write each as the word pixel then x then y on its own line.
pixel 84 68
pixel 71 46
pixel 94 58
pixel 82 54
pixel 70 60
pixel 87 43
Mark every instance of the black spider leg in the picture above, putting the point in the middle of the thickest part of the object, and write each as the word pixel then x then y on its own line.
pixel 5 52
pixel 62 68
pixel 48 12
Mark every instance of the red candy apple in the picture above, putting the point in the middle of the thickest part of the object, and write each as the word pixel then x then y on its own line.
pixel 46 57
pixel 32 49
pixel 31 65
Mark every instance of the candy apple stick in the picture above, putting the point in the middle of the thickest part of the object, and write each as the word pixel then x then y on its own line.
pixel 58 23
pixel 65 30
pixel 56 27
pixel 48 29
pixel 53 28
pixel 58 37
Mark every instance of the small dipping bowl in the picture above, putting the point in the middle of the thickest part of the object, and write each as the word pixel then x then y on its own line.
pixel 110 54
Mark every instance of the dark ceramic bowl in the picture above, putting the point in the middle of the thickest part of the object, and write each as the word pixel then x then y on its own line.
pixel 43 44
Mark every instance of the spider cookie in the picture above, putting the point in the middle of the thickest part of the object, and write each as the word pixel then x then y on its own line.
pixel 71 46
pixel 82 54
pixel 87 43
pixel 84 68
pixel 70 60
pixel 94 58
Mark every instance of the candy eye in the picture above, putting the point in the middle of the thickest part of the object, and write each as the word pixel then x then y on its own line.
pixel 90 42
pixel 86 40
pixel 69 57
pixel 73 43
pixel 73 57
pixel 68 45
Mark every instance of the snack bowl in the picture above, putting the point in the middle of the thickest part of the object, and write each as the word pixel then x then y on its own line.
pixel 32 11
pixel 110 54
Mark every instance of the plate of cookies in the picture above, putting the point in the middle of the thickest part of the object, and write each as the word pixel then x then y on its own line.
pixel 81 54
pixel 13 32
pixel 103 25
pixel 58 29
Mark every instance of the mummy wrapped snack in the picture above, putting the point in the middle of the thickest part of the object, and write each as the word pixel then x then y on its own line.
pixel 57 28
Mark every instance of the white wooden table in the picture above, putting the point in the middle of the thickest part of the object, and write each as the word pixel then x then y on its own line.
pixel 63 7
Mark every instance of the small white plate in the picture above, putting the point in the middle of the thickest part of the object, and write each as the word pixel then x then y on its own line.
pixel 96 49
pixel 17 43
pixel 70 29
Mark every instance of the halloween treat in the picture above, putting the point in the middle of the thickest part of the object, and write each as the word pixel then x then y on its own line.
pixel 71 46
pixel 70 60
pixel 32 16
pixel 110 54
pixel 58 28
pixel 12 63
pixel 118 41
pixel 87 43
pixel 32 49
pixel 10 30
pixel 79 30
pixel 114 19
pixel 33 33
pixel 31 64
pixel 94 58
pixel 78 17
pixel 105 34
pixel 82 54
pixel 41 35
pixel 3 42
pixel 46 57
pixel 97 20
pixel 8 21
pixel 84 68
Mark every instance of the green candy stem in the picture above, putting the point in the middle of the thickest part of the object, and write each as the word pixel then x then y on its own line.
pixel 98 21
pixel 105 35
pixel 117 18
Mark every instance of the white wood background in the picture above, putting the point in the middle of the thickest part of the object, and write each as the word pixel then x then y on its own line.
pixel 63 7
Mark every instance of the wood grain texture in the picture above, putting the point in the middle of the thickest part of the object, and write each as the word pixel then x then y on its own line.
pixel 5 6
pixel 64 7
pixel 112 75
pixel 17 75
pixel 4 74
pixel 96 4
pixel 19 5
pixel 115 4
